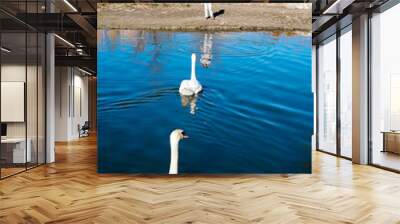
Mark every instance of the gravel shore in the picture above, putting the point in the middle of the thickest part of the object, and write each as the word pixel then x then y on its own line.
pixel 189 17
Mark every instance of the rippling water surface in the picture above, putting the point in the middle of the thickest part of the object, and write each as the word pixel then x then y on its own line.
pixel 254 115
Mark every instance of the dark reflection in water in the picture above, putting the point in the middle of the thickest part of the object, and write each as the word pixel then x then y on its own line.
pixel 254 115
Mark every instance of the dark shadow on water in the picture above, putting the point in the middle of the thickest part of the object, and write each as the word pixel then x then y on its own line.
pixel 218 13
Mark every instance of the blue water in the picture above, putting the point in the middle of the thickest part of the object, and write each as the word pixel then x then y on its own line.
pixel 255 114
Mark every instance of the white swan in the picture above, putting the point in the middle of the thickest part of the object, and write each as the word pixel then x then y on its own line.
pixel 174 138
pixel 192 86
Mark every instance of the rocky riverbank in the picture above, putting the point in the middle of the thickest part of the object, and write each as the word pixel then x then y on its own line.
pixel 189 17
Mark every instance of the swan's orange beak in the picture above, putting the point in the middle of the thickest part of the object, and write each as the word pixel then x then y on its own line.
pixel 184 135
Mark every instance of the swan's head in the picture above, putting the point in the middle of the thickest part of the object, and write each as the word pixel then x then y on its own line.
pixel 193 57
pixel 178 134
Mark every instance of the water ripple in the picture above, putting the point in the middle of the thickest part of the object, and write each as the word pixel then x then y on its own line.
pixel 146 97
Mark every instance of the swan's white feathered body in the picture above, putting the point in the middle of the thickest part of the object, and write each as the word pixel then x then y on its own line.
pixel 174 138
pixel 191 86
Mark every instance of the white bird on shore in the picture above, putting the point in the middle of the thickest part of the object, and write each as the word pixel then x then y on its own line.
pixel 174 138
pixel 208 13
pixel 191 87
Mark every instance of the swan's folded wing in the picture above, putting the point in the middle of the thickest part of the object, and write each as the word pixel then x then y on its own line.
pixel 185 88
pixel 186 92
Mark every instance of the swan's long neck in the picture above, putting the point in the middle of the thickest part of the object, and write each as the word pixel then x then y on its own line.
pixel 173 167
pixel 193 75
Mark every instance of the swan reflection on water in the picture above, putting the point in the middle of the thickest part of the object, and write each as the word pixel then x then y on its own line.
pixel 206 54
pixel 189 101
